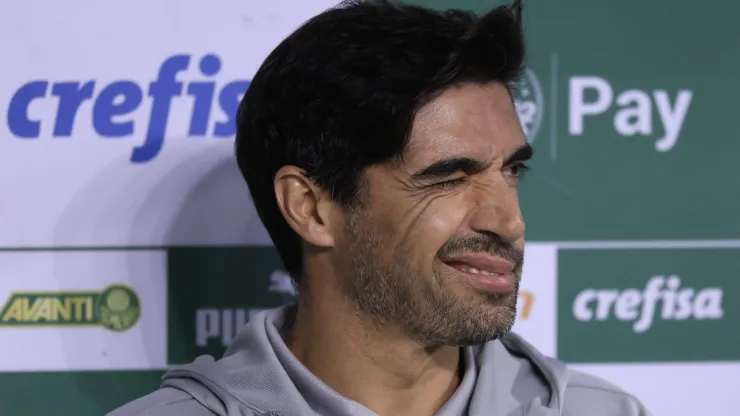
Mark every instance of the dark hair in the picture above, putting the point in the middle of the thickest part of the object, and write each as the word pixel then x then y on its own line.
pixel 341 92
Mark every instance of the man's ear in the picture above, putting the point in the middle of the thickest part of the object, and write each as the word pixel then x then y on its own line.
pixel 306 207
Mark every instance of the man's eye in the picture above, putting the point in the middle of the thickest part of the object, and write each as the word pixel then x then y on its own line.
pixel 450 183
pixel 517 170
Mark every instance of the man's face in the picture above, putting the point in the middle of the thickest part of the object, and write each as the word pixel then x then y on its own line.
pixel 436 244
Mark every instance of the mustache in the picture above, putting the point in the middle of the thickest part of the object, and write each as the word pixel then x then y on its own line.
pixel 483 243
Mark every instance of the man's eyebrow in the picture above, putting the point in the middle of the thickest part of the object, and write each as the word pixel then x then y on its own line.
pixel 445 167
pixel 522 154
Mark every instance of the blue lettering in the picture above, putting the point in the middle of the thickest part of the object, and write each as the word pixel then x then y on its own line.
pixel 106 108
pixel 162 91
pixel 203 94
pixel 18 122
pixel 113 105
pixel 229 99
pixel 71 95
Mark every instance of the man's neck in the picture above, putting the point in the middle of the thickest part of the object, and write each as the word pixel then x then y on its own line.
pixel 378 368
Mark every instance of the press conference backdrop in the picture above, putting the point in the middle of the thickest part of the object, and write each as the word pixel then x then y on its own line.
pixel 128 242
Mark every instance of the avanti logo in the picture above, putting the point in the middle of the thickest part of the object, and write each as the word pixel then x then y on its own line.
pixel 113 106
pixel 663 298
pixel 117 308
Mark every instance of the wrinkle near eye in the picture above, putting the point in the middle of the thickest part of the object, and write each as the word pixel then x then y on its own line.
pixel 417 211
pixel 407 202
pixel 419 207
pixel 483 185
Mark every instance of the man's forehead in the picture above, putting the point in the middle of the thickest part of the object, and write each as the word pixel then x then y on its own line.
pixel 477 122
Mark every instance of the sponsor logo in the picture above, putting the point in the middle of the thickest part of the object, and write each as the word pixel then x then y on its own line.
pixel 117 308
pixel 525 304
pixel 662 298
pixel 647 304
pixel 530 104
pixel 593 96
pixel 633 110
pixel 224 323
pixel 112 109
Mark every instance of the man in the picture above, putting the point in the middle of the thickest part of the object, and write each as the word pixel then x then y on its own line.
pixel 383 153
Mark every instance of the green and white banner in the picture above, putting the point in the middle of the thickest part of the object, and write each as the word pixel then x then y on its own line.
pixel 128 242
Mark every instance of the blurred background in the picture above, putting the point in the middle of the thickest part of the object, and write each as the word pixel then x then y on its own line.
pixel 128 242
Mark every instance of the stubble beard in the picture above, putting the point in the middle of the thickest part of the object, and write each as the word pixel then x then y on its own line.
pixel 386 288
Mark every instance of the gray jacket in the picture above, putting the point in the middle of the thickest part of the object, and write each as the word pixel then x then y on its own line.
pixel 258 376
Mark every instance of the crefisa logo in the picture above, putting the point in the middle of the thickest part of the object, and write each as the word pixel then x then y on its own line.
pixel 530 104
pixel 112 108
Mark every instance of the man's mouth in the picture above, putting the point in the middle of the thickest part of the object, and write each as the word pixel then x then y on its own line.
pixel 469 269
pixel 483 270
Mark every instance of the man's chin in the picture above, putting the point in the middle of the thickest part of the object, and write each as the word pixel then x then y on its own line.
pixel 481 338
pixel 499 298
pixel 488 323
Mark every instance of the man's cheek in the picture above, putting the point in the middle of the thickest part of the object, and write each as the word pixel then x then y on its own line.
pixel 445 224
pixel 441 221
pixel 447 213
pixel 430 219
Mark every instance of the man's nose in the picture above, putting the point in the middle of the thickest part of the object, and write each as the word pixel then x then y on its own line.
pixel 498 212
